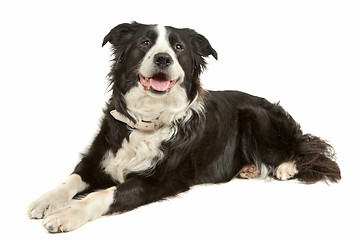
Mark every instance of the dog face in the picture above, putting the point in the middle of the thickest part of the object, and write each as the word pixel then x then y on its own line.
pixel 160 68
pixel 162 61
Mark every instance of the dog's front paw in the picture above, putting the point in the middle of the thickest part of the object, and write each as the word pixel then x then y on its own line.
pixel 47 203
pixel 65 219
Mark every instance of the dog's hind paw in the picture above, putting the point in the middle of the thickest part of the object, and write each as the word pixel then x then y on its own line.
pixel 286 170
pixel 249 171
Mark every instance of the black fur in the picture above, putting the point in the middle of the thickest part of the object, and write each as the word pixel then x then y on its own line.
pixel 234 129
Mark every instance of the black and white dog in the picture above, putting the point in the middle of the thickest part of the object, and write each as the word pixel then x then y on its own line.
pixel 162 133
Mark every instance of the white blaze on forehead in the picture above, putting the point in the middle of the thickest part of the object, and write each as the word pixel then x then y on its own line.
pixel 162 42
pixel 161 45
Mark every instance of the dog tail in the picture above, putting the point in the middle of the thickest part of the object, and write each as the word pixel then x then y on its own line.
pixel 316 160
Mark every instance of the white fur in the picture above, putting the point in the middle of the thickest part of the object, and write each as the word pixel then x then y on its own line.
pixel 137 154
pixel 162 45
pixel 80 212
pixel 143 104
pixel 57 198
pixel 286 170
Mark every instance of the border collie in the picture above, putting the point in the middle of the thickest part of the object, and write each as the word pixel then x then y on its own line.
pixel 163 133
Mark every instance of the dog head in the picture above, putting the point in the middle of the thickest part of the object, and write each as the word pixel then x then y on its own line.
pixel 156 63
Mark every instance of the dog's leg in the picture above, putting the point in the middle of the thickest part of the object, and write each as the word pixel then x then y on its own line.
pixel 57 198
pixel 80 212
pixel 131 194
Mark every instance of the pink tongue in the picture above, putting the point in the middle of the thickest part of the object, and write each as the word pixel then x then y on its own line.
pixel 159 85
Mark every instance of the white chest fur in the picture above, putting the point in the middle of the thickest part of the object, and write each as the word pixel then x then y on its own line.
pixel 136 154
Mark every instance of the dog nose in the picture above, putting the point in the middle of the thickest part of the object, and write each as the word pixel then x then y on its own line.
pixel 163 60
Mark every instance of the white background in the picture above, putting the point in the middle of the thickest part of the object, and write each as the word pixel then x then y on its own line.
pixel 53 87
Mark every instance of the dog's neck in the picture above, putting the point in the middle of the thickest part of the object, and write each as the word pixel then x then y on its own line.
pixel 152 113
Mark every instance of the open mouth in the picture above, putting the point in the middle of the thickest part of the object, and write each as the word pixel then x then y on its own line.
pixel 159 82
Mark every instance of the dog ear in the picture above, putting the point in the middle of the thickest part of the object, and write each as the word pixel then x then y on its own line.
pixel 203 46
pixel 120 34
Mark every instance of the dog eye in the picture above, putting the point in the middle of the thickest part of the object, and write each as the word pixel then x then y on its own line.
pixel 146 43
pixel 179 47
